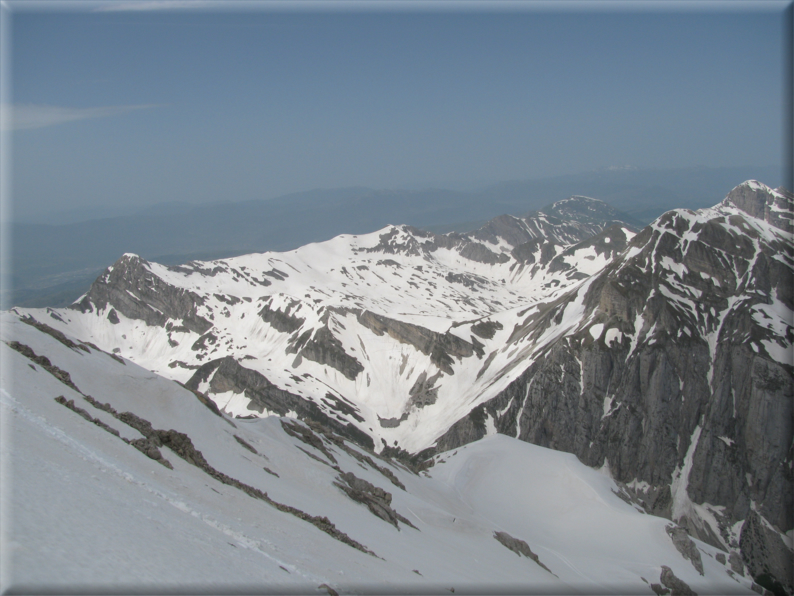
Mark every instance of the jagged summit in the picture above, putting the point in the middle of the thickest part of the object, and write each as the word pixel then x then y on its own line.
pixel 761 202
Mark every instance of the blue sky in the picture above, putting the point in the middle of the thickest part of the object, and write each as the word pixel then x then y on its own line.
pixel 146 106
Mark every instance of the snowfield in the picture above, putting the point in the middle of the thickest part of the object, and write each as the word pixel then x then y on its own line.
pixel 84 510
pixel 260 308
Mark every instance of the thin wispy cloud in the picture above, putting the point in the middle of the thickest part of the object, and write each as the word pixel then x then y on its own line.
pixel 27 116
pixel 155 5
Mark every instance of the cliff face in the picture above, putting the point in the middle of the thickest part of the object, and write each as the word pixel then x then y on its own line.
pixel 680 379
pixel 131 289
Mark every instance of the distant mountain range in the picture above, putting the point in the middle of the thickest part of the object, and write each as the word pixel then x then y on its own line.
pixel 52 264
pixel 661 355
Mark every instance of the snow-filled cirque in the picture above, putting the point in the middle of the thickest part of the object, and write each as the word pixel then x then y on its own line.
pixel 559 403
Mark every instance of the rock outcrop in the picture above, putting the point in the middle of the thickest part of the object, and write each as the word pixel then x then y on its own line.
pixel 131 288
pixel 226 374
pixel 678 587
pixel 518 546
pixel 377 500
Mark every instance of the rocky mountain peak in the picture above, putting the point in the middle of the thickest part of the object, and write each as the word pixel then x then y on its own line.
pixel 761 202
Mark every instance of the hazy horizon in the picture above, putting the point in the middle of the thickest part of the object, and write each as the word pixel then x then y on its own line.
pixel 127 105
pixel 74 214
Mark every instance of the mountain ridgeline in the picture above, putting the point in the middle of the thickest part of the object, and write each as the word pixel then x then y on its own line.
pixel 661 355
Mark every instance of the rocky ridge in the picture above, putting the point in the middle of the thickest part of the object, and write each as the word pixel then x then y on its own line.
pixel 375 333
pixel 678 377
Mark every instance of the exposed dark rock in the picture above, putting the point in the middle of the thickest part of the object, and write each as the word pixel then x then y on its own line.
pixel 377 500
pixel 99 405
pixel 227 374
pixel 305 434
pixel 340 404
pixel 329 589
pixel 519 547
pixel 141 425
pixel 282 321
pixel 677 586
pixel 468 429
pixel 757 202
pixel 323 347
pixel 387 473
pixel 758 589
pixel 133 290
pixel 469 280
pixel 246 444
pixel 769 561
pixel 392 422
pixel 149 448
pixel 389 243
pixel 486 329
pixel 415 462
pixel 206 401
pixel 737 565
pixel 70 404
pixel 685 546
pixel 44 363
pixel 319 459
pixel 525 253
pixel 227 299
pixel 318 428
pixel 592 215
pixel 507 227
pixel 480 253
pixel 607 243
pixel 440 347
pixel 54 333
pixel 201 343
pixel 423 393
pixel 769 586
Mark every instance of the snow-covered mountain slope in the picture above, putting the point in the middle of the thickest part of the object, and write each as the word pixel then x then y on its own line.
pixel 664 357
pixel 673 367
pixel 396 334
pixel 117 479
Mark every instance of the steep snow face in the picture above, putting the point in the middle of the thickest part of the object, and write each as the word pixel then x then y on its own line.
pixel 277 505
pixel 398 333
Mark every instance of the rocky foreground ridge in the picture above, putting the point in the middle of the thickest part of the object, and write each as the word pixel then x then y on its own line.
pixel 663 355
